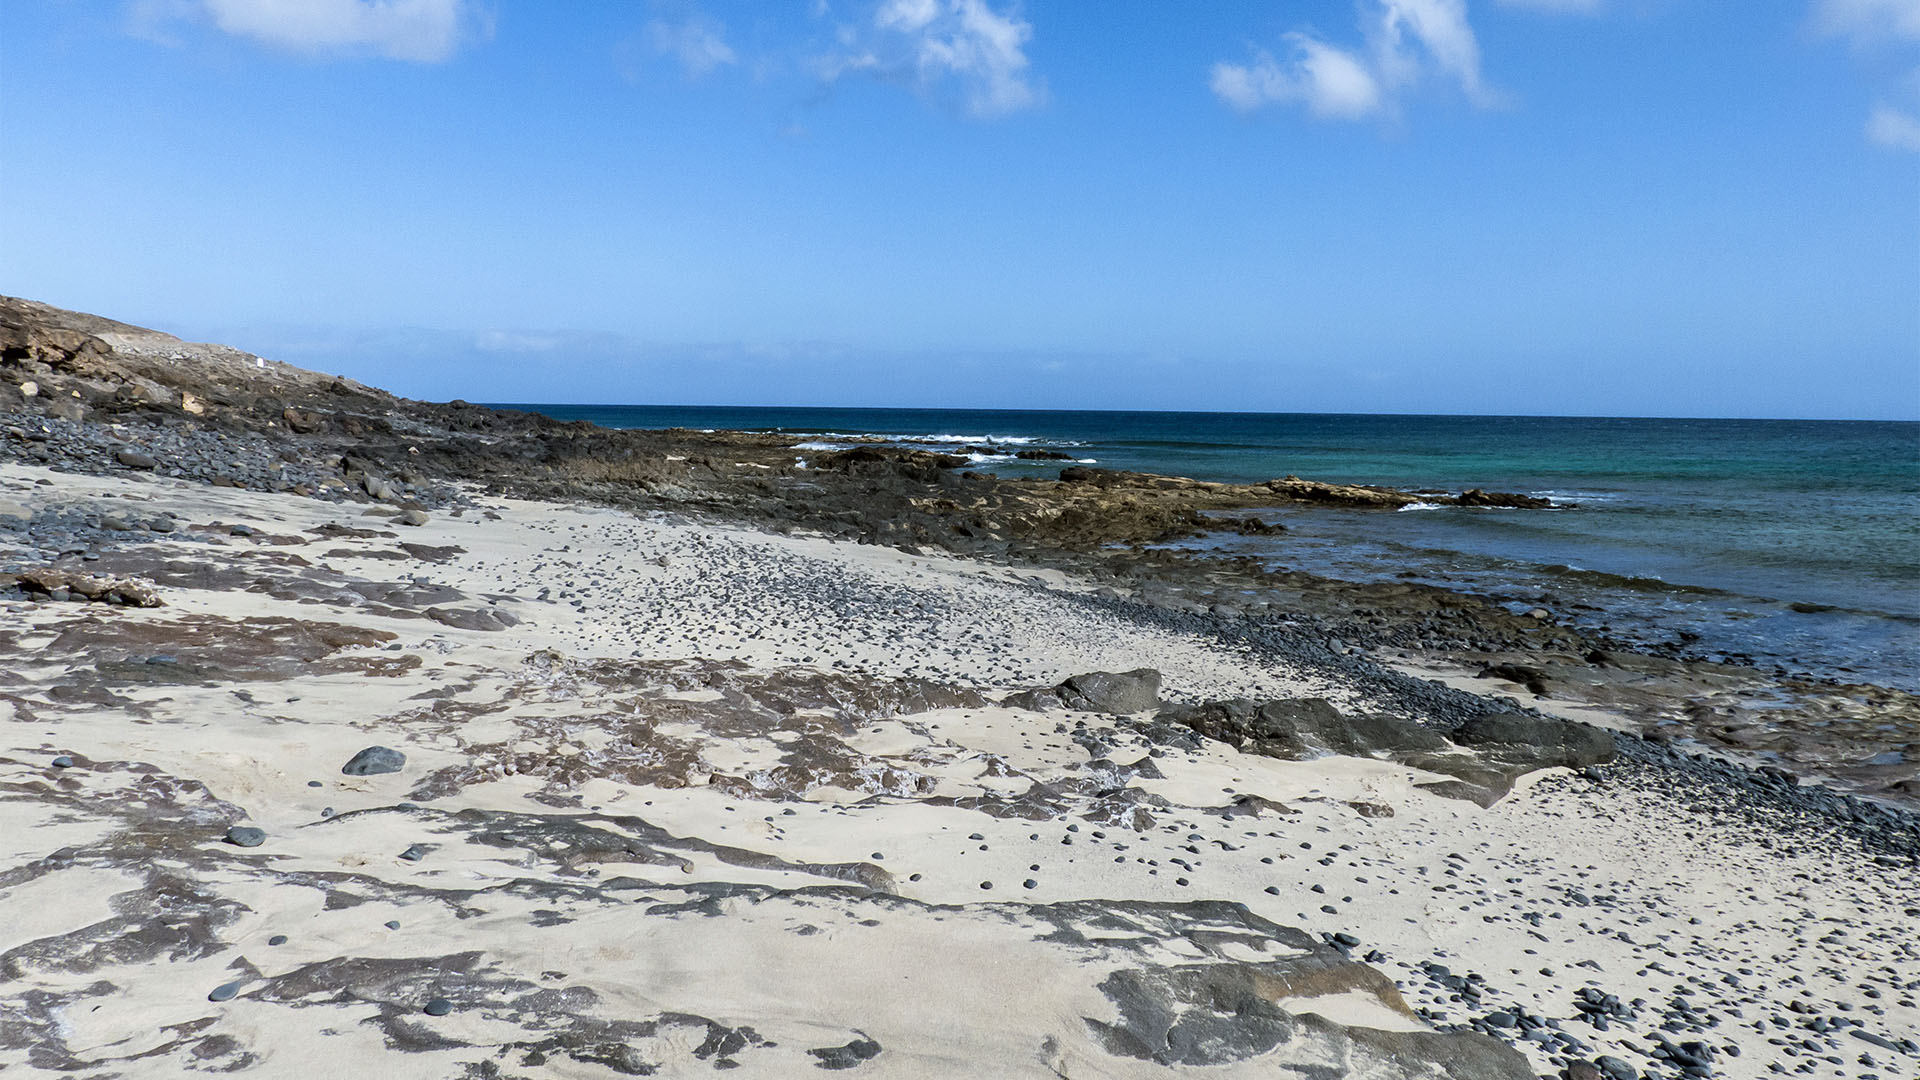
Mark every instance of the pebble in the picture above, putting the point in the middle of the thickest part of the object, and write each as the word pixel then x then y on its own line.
pixel 246 836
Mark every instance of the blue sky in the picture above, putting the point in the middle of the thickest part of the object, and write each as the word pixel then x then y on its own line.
pixel 1640 207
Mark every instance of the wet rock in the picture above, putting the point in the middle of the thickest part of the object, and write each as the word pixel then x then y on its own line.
pixel 1504 499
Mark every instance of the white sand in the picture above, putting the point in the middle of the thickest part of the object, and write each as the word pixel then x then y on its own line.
pixel 963 988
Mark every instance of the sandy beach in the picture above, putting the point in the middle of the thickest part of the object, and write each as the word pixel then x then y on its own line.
pixel 678 797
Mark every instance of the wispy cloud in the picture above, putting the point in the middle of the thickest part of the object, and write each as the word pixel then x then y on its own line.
pixel 421 31
pixel 1331 82
pixel 699 43
pixel 966 47
pixel 1578 7
pixel 1404 41
pixel 1870 21
pixel 1890 127
pixel 1886 29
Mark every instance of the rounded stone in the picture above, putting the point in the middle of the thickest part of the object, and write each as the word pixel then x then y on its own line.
pixel 224 991
pixel 246 836
pixel 373 761
pixel 277 939
pixel 62 762
pixel 439 1007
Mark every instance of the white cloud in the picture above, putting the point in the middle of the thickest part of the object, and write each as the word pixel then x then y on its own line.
pixel 1869 21
pixel 1582 7
pixel 1889 126
pixel 1439 28
pixel 1880 25
pixel 1331 82
pixel 933 44
pixel 1404 41
pixel 699 44
pixel 424 31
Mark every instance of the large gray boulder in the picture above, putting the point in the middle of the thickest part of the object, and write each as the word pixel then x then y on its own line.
pixel 1541 741
pixel 1118 693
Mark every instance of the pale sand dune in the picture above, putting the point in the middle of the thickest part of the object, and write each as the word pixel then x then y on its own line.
pixel 665 822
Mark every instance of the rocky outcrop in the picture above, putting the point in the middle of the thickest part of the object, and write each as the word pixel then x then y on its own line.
pixel 1483 758
pixel 1507 500
pixel 55 583
pixel 1118 694
pixel 1541 741
pixel 1298 728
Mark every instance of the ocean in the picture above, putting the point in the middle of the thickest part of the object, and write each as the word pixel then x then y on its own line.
pixel 1793 542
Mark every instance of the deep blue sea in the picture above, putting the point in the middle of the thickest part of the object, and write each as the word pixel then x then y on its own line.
pixel 1796 542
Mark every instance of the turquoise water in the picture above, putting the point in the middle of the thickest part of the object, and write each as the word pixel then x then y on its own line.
pixel 1794 542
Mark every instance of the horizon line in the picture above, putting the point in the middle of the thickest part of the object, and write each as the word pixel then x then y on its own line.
pixel 535 406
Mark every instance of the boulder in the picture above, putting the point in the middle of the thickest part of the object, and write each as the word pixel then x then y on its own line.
pixel 1296 728
pixel 1121 694
pixel 1532 678
pixel 373 761
pixel 302 423
pixel 1540 741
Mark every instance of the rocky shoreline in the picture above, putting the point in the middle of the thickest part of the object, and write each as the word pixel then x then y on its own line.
pixel 789 736
pixel 105 393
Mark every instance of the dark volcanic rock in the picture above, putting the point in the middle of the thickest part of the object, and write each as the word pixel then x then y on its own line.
pixel 1530 677
pixel 375 760
pixel 848 1056
pixel 1476 497
pixel 1297 728
pixel 1120 694
pixel 1541 740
